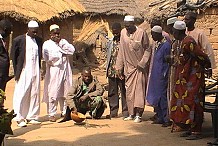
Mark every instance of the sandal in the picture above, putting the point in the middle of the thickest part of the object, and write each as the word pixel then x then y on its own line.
pixel 194 137
pixel 176 128
pixel 185 134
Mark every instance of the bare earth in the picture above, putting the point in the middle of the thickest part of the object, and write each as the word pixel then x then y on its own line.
pixel 102 132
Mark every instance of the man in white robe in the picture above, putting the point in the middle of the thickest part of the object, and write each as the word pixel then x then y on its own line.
pixel 26 57
pixel 58 77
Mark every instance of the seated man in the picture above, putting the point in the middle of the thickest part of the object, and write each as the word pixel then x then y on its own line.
pixel 85 95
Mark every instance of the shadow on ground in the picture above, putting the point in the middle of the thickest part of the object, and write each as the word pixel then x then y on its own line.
pixel 145 134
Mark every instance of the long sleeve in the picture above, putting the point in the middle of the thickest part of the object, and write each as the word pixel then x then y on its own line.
pixel 120 60
pixel 66 48
pixel 98 89
pixel 71 94
pixel 14 55
pixel 145 43
pixel 166 52
pixel 206 46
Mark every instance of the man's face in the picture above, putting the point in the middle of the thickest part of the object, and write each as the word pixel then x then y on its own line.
pixel 116 33
pixel 130 26
pixel 55 35
pixel 170 28
pixel 176 34
pixel 156 36
pixel 32 32
pixel 87 77
pixel 189 21
pixel 7 32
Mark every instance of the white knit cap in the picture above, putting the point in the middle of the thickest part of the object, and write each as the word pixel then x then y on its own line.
pixel 179 25
pixel 129 18
pixel 54 26
pixel 157 29
pixel 33 24
pixel 172 20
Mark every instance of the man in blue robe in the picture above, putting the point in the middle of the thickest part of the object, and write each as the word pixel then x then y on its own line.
pixel 158 81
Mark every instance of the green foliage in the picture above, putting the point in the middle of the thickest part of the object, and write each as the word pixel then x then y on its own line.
pixel 5 116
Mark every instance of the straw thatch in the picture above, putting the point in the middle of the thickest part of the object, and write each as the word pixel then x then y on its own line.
pixel 92 30
pixel 40 10
pixel 109 7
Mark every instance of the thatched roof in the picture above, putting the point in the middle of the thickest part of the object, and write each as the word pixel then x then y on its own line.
pixel 109 7
pixel 41 10
pixel 93 29
pixel 169 8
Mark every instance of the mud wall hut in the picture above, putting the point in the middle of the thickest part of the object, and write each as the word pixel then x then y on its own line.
pixel 163 9
pixel 45 12
pixel 101 15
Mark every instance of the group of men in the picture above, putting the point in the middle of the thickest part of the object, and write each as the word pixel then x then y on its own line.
pixel 167 74
pixel 27 52
pixel 141 70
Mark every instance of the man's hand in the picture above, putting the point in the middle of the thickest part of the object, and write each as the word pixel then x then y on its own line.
pixel 83 98
pixel 73 110
pixel 119 74
pixel 140 68
pixel 169 59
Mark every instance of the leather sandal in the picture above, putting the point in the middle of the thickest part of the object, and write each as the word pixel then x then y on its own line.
pixel 194 137
pixel 185 134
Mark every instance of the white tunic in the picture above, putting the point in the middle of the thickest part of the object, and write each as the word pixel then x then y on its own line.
pixel 27 88
pixel 58 77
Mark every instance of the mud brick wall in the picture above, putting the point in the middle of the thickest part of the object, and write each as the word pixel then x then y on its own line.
pixel 208 21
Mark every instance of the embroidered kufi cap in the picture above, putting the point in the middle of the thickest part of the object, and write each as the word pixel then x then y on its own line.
pixel 179 25
pixel 129 18
pixel 33 24
pixel 172 20
pixel 54 26
pixel 157 29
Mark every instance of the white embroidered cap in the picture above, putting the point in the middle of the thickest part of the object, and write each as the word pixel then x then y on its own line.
pixel 129 18
pixel 172 20
pixel 54 26
pixel 157 29
pixel 33 24
pixel 179 25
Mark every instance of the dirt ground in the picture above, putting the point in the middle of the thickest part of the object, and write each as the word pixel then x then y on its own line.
pixel 102 132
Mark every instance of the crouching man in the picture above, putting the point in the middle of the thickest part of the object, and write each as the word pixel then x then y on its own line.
pixel 85 95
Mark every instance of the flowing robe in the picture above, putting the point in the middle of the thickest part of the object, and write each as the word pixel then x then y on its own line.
pixel 134 51
pixel 58 77
pixel 27 88
pixel 188 95
pixel 157 87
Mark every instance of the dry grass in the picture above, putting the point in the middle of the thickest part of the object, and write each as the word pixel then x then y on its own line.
pixel 41 10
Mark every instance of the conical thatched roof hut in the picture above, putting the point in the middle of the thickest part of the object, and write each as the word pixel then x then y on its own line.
pixel 25 10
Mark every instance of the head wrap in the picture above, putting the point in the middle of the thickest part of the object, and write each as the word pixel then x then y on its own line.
pixel 33 24
pixel 179 25
pixel 129 18
pixel 172 20
pixel 157 29
pixel 54 26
